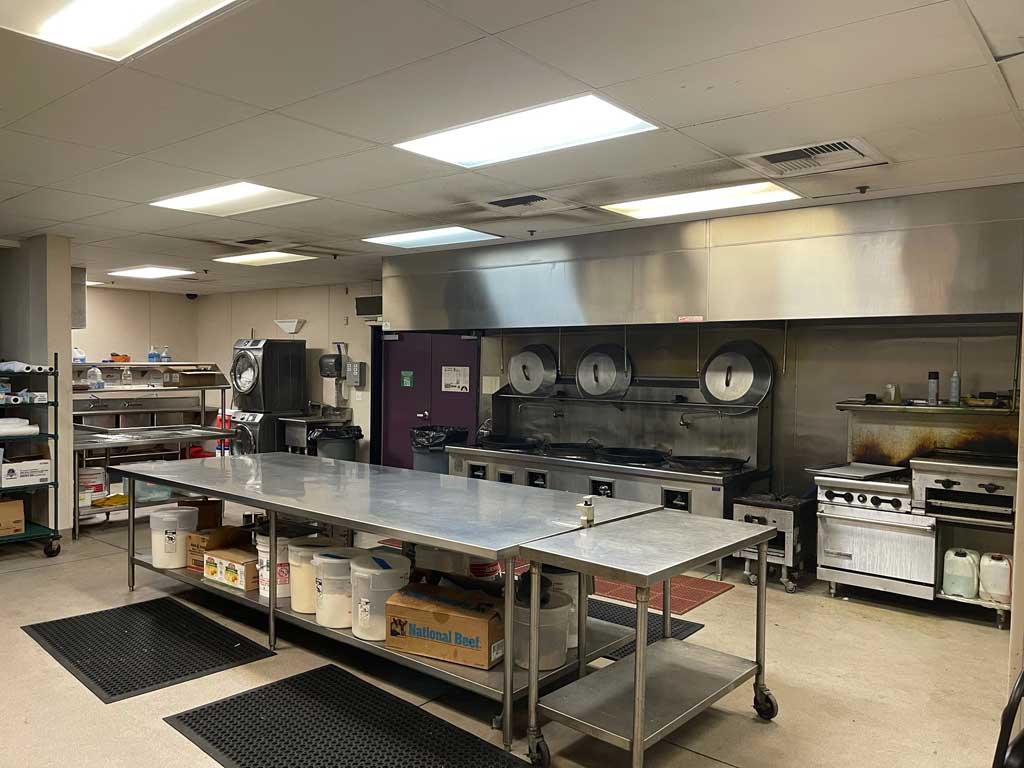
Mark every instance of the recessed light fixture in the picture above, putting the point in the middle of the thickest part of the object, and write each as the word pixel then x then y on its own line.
pixel 113 29
pixel 91 283
pixel 232 199
pixel 739 196
pixel 427 237
pixel 150 272
pixel 582 120
pixel 264 258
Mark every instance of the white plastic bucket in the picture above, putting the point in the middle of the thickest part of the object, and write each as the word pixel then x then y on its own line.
pixel 374 579
pixel 333 588
pixel 554 632
pixel 94 480
pixel 283 568
pixel 960 572
pixel 567 582
pixel 168 527
pixel 996 577
pixel 302 573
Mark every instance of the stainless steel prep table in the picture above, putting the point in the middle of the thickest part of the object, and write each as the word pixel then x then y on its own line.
pixel 630 708
pixel 474 517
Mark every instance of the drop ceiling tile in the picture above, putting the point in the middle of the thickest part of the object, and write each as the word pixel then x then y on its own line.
pixel 140 181
pixel 79 232
pixel 271 54
pixel 847 58
pixel 341 176
pixel 609 41
pixel 467 84
pixel 1013 71
pixel 983 167
pixel 59 206
pixel 520 227
pixel 345 248
pixel 145 218
pixel 12 226
pixel 432 198
pixel 945 139
pixel 54 73
pixel 1002 24
pixel 133 112
pixel 628 155
pixel 958 95
pixel 167 246
pixel 37 161
pixel 230 229
pixel 258 145
pixel 9 189
pixel 328 217
pixel 717 173
pixel 497 15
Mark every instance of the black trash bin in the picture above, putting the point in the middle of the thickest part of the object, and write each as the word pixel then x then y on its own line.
pixel 428 445
pixel 336 442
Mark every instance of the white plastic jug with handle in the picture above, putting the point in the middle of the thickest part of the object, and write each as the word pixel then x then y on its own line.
pixel 996 577
pixel 960 573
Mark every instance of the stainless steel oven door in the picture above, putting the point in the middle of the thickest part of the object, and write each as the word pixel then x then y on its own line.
pixel 878 543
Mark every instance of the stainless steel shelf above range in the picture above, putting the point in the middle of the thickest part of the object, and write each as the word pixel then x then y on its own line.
pixel 732 410
pixel 682 679
pixel 949 410
pixel 603 638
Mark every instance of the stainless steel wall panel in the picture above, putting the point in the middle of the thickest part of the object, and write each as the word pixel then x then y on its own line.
pixel 940 270
pixel 667 286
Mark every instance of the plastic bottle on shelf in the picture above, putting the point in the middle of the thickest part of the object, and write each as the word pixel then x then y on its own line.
pixel 933 387
pixel 165 356
pixel 94 378
pixel 77 355
pixel 154 355
pixel 126 376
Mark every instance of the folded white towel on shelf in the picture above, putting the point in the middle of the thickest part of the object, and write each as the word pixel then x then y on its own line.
pixel 11 422
pixel 27 429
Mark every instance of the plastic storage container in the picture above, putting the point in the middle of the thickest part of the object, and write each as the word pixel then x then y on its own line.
pixel 333 589
pixel 302 573
pixel 168 527
pixel 374 579
pixel 960 573
pixel 283 567
pixel 567 582
pixel 554 632
pixel 146 492
pixel 996 577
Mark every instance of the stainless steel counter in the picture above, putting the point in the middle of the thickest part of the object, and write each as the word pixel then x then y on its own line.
pixel 142 437
pixel 471 516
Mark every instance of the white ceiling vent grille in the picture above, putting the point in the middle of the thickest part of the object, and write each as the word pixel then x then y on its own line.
pixel 828 156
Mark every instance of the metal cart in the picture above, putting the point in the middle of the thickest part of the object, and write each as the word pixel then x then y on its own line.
pixel 35 531
pixel 638 700
pixel 793 545
pixel 475 517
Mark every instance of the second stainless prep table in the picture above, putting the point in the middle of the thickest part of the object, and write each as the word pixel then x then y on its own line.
pixel 474 517
pixel 639 700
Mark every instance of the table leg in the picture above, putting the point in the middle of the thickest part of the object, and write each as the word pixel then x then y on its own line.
pixel 583 594
pixel 272 585
pixel 509 664
pixel 643 599
pixel 762 600
pixel 76 510
pixel 666 608
pixel 533 730
pixel 131 533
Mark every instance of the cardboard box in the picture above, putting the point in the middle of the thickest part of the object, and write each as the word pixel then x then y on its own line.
pixel 198 542
pixel 194 379
pixel 211 512
pixel 234 567
pixel 461 626
pixel 12 517
pixel 24 470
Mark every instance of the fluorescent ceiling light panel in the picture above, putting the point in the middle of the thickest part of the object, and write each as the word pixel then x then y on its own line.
pixel 91 283
pixel 739 196
pixel 582 120
pixel 263 259
pixel 113 29
pixel 425 238
pixel 150 272
pixel 232 199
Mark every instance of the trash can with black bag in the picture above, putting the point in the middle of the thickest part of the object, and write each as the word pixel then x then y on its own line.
pixel 428 444
pixel 336 441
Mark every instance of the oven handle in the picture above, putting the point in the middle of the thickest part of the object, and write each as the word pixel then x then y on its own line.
pixel 943 504
pixel 884 523
pixel 1003 524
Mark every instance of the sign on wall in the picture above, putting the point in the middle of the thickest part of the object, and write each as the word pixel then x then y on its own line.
pixel 454 378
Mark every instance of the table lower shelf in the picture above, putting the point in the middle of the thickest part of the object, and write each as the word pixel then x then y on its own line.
pixel 973 601
pixel 683 679
pixel 602 638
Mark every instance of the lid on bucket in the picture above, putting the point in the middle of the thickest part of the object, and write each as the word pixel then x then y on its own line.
pixel 332 564
pixel 556 601
pixel 382 562
pixel 308 546
pixel 168 518
pixel 264 541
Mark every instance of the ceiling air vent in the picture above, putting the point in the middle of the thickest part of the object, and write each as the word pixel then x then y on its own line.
pixel 512 202
pixel 253 241
pixel 837 155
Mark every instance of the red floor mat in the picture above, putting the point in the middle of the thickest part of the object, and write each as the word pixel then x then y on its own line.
pixel 687 592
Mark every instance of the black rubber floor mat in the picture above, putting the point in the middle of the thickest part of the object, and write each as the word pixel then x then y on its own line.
pixel 625 615
pixel 330 717
pixel 123 652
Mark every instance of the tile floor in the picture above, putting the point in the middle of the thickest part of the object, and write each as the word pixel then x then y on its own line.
pixel 868 681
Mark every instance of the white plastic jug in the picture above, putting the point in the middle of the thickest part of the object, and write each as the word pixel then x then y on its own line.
pixel 996 577
pixel 960 572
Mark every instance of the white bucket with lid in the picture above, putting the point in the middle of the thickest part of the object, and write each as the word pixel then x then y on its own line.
pixel 554 632
pixel 374 579
pixel 283 568
pixel 94 480
pixel 566 581
pixel 302 573
pixel 333 588
pixel 168 527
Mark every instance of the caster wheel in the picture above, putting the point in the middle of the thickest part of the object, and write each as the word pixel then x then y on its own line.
pixel 790 587
pixel 541 755
pixel 766 706
pixel 752 579
pixel 51 549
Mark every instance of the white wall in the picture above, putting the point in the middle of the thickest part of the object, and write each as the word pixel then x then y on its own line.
pixel 131 321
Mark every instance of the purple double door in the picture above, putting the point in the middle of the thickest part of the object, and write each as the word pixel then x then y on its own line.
pixel 429 378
